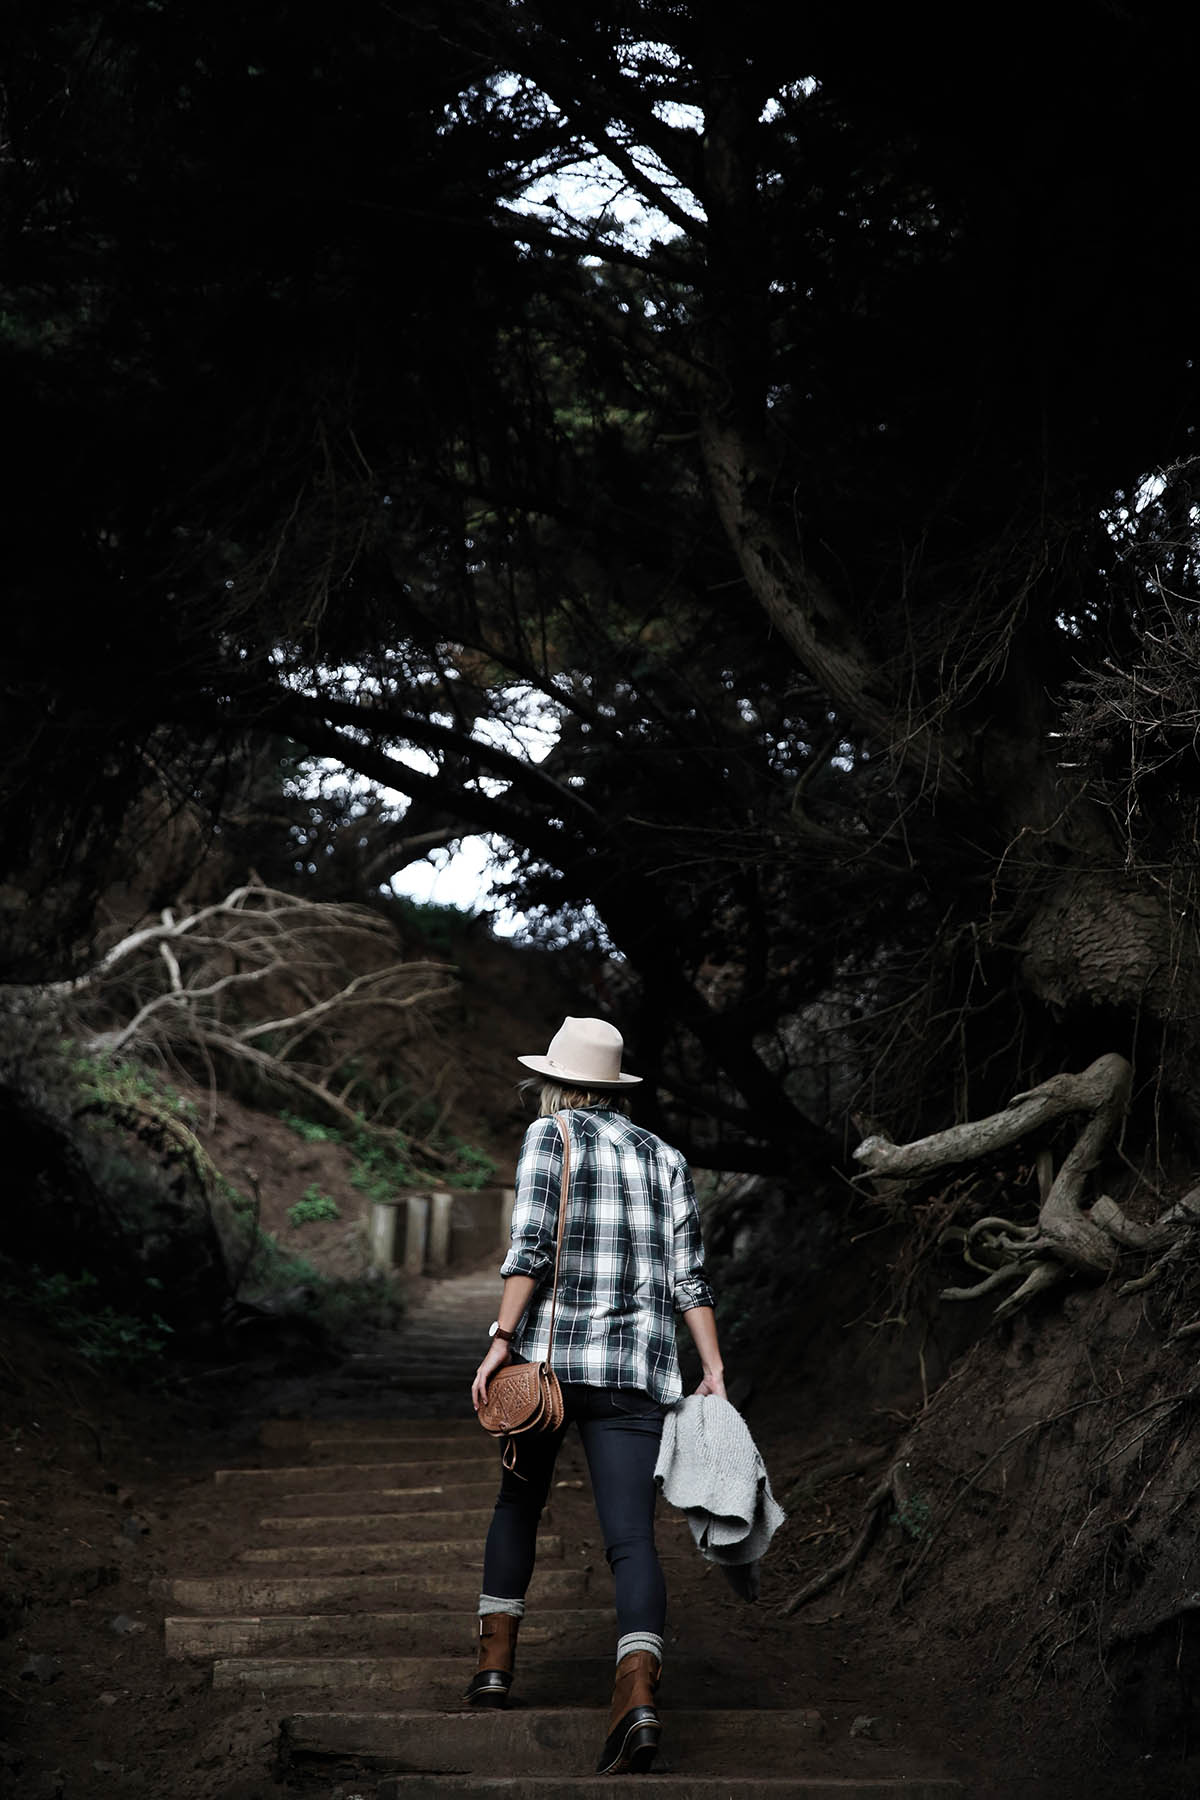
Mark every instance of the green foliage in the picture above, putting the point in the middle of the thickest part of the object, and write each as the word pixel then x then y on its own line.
pixel 380 1176
pixel 314 1207
pixel 310 1131
pixel 272 1269
pixel 476 1169
pixel 333 1306
pixel 243 1206
pixel 70 1307
pixel 382 1170
pixel 383 1167
pixel 914 1518
pixel 123 1082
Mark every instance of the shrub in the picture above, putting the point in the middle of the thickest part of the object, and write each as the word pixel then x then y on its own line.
pixel 294 1288
pixel 313 1208
pixel 69 1306
pixel 310 1131
pixel 384 1164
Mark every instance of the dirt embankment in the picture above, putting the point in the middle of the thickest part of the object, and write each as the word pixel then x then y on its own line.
pixel 1029 1597
pixel 104 1493
pixel 991 1618
pixel 92 1467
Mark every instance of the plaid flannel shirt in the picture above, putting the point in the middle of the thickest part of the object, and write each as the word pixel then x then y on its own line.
pixel 632 1254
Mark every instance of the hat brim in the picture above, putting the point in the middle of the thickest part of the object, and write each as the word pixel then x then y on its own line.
pixel 541 1065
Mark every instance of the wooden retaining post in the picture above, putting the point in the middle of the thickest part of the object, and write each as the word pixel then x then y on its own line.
pixel 383 1236
pixel 438 1253
pixel 416 1234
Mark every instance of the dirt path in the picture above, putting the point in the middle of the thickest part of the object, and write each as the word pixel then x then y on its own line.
pixel 339 1602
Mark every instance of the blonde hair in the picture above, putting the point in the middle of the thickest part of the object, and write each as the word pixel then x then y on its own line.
pixel 556 1098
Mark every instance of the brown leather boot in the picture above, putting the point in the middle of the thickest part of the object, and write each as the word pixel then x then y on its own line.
pixel 497 1652
pixel 633 1726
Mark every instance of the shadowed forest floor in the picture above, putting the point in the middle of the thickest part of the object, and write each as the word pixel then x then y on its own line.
pixel 106 1492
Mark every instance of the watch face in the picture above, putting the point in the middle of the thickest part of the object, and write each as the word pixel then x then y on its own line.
pixel 493 1328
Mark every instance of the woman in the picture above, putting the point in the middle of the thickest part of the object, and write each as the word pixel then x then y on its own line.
pixel 631 1258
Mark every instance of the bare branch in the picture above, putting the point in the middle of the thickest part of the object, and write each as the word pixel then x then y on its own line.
pixel 375 977
pixel 299 953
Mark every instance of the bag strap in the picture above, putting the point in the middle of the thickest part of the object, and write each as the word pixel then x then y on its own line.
pixel 565 1134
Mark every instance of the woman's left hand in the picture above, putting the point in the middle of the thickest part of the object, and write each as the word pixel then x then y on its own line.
pixel 498 1354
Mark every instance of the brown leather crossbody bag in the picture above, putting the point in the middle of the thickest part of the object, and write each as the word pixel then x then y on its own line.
pixel 526 1397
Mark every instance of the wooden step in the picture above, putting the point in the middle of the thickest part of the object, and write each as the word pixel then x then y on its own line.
pixel 401 1375
pixel 321 1477
pixel 291 1593
pixel 447 1448
pixel 418 1362
pixel 564 1741
pixel 545 1677
pixel 669 1787
pixel 365 1516
pixel 413 1524
pixel 343 1558
pixel 455 1456
pixel 584 1631
pixel 279 1434
pixel 419 1405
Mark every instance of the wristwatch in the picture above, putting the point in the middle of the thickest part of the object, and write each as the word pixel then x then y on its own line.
pixel 495 1330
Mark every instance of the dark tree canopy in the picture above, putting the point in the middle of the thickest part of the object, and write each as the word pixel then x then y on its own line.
pixel 812 515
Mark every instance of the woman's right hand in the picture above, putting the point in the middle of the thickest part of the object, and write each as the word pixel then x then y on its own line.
pixel 498 1354
pixel 701 1322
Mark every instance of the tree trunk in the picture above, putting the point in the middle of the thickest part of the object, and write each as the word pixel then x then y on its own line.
pixel 1109 941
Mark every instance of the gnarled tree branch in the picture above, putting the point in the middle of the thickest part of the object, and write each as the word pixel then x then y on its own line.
pixel 1066 1239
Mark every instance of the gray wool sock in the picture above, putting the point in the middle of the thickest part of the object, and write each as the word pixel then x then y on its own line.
pixel 495 1603
pixel 640 1640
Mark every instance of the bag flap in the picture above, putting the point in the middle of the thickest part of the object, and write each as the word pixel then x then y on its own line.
pixel 514 1394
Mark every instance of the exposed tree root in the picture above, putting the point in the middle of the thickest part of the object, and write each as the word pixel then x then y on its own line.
pixel 893 1487
pixel 1025 1259
pixel 998 1278
pixel 1066 1239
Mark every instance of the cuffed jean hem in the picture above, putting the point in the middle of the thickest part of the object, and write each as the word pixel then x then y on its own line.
pixel 640 1640
pixel 496 1603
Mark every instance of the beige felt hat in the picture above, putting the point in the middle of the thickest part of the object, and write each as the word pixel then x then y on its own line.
pixel 586 1052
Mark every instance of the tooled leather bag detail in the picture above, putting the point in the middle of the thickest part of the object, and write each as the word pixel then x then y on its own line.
pixel 523 1397
pixel 519 1399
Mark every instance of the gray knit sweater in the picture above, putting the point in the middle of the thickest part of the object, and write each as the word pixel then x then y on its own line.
pixel 709 1466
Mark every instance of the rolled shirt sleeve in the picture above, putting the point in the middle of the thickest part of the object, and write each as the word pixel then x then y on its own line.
pixel 690 1287
pixel 535 1207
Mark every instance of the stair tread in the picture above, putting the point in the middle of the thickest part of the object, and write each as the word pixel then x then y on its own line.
pixel 550 1548
pixel 403 1519
pixel 399 1547
pixel 447 1631
pixel 353 1610
pixel 547 1678
pixel 264 1594
pixel 564 1740
pixel 677 1787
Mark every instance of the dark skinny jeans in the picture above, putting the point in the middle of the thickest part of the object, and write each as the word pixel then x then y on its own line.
pixel 620 1429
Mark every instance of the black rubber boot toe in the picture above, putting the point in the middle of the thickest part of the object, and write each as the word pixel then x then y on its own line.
pixel 489 1687
pixel 632 1743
